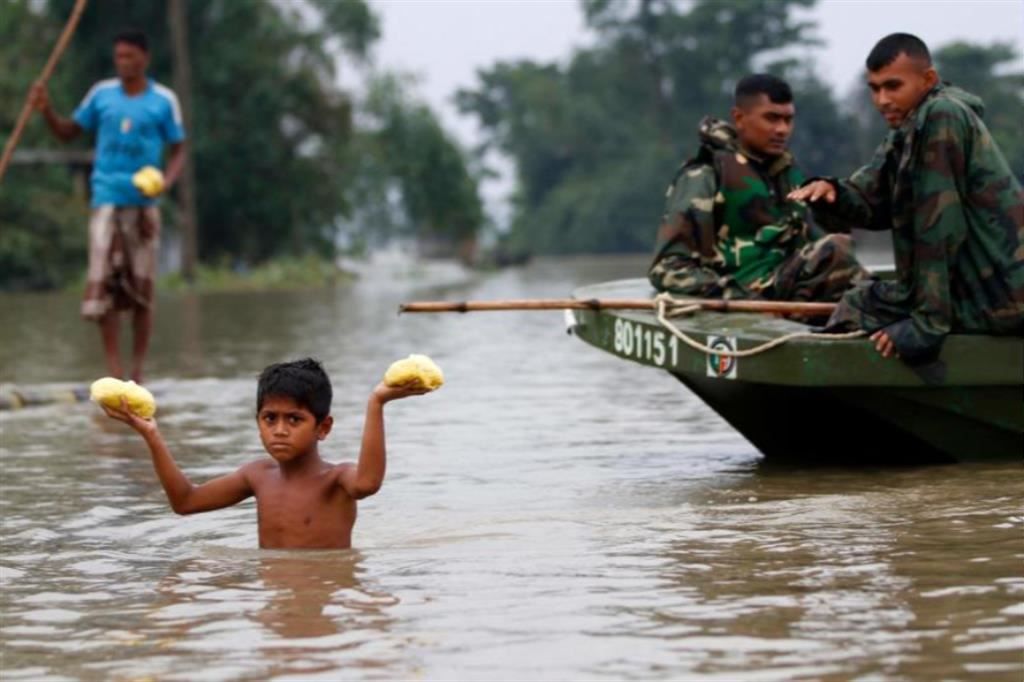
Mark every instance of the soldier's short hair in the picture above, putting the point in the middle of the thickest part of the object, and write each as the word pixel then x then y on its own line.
pixel 757 84
pixel 892 46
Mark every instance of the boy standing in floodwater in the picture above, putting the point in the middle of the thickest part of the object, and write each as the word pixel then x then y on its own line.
pixel 301 500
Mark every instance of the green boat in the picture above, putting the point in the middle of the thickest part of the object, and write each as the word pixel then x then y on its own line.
pixel 826 401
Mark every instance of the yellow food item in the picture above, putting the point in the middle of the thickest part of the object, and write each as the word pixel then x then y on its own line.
pixel 106 391
pixel 109 391
pixel 149 180
pixel 415 370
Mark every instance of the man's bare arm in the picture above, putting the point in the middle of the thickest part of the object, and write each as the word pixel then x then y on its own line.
pixel 184 496
pixel 365 478
pixel 175 164
pixel 64 129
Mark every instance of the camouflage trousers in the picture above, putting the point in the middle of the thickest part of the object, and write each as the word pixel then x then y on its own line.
pixel 871 306
pixel 819 271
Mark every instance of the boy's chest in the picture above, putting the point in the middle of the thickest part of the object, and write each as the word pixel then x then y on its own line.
pixel 299 513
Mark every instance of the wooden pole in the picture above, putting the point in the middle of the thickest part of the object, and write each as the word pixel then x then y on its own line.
pixel 177 22
pixel 775 307
pixel 51 64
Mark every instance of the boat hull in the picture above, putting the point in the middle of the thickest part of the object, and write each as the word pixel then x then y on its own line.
pixel 863 425
pixel 827 401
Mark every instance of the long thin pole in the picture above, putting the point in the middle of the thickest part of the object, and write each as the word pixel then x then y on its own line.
pixel 51 64
pixel 177 21
pixel 776 307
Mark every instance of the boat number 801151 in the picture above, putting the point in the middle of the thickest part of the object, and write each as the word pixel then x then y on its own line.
pixel 644 344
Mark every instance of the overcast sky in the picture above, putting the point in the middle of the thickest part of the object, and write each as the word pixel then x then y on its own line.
pixel 445 42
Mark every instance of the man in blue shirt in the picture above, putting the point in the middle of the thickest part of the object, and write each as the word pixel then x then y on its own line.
pixel 133 119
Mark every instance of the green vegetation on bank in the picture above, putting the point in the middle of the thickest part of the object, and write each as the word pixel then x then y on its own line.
pixel 279 274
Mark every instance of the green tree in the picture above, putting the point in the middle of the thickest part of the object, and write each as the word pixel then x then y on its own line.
pixel 595 142
pixel 42 240
pixel 281 167
pixel 440 197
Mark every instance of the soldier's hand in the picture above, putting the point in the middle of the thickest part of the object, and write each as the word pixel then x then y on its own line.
pixel 39 97
pixel 814 191
pixel 884 344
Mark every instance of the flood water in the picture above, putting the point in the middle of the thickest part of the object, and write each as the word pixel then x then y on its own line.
pixel 551 513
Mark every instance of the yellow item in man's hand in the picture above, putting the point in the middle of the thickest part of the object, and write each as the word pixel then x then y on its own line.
pixel 109 391
pixel 149 180
pixel 416 370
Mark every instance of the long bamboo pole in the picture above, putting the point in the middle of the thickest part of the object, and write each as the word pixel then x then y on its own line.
pixel 51 64
pixel 775 307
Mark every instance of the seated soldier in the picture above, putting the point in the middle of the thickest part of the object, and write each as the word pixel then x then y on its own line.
pixel 729 231
pixel 956 211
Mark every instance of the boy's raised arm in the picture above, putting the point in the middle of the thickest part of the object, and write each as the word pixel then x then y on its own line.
pixel 183 495
pixel 366 477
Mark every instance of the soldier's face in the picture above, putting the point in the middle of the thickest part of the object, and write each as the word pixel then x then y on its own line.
pixel 130 61
pixel 764 126
pixel 897 89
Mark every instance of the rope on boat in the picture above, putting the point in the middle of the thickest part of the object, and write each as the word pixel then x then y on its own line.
pixel 667 307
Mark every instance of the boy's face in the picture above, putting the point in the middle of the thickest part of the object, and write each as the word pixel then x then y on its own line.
pixel 897 88
pixel 289 430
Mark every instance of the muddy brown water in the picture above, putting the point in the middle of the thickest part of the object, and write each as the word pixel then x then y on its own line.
pixel 551 513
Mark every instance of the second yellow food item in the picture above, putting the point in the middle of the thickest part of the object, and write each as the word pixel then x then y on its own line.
pixel 109 391
pixel 149 180
pixel 415 370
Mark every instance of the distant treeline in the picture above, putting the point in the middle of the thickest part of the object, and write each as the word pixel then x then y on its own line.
pixel 596 141
pixel 288 164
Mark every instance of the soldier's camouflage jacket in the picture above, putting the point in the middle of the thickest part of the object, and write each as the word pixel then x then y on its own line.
pixel 956 212
pixel 729 231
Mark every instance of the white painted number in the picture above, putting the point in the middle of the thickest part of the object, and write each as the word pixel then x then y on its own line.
pixel 641 343
pixel 659 348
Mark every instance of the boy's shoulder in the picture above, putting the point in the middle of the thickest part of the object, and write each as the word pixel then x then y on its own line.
pixel 261 467
pixel 257 467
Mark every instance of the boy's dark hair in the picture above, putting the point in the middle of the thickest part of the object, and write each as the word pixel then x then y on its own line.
pixel 757 84
pixel 132 36
pixel 304 381
pixel 892 46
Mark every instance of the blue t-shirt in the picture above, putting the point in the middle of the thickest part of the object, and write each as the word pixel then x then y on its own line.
pixel 131 132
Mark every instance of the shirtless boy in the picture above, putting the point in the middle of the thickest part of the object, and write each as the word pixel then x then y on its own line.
pixel 301 500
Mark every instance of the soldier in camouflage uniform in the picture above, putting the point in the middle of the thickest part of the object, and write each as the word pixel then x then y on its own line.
pixel 940 183
pixel 728 229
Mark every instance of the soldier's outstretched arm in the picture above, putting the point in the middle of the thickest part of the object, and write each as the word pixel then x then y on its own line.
pixel 859 201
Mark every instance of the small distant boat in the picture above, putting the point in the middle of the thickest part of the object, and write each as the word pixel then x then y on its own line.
pixel 826 401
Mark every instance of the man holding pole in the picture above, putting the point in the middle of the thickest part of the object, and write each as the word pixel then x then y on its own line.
pixel 133 119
